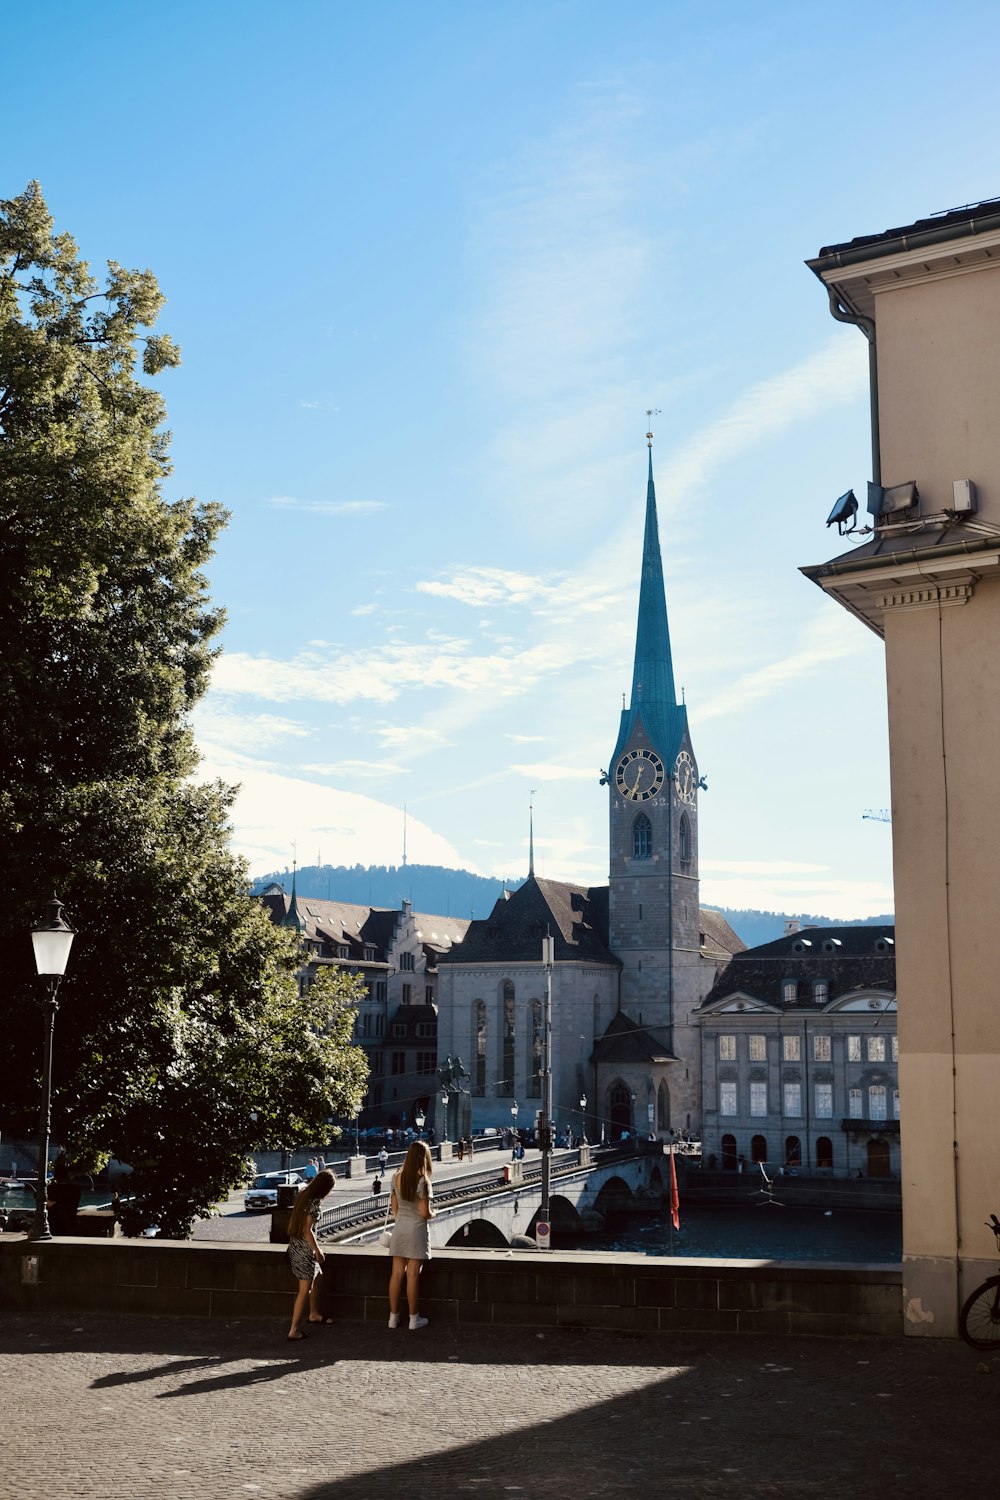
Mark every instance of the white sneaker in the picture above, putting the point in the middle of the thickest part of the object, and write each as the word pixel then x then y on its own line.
pixel 417 1323
pixel 394 1320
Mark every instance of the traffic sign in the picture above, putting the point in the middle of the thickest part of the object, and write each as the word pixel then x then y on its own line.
pixel 543 1234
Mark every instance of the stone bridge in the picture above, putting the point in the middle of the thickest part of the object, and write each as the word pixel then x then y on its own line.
pixel 486 1211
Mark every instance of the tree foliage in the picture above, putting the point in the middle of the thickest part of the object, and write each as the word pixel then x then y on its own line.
pixel 182 1043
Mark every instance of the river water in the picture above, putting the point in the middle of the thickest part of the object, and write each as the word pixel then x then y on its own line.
pixel 765 1233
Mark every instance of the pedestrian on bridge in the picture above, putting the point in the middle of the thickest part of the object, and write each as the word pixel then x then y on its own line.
pixel 410 1245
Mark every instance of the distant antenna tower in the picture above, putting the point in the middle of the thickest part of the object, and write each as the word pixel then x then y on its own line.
pixel 404 835
pixel 877 814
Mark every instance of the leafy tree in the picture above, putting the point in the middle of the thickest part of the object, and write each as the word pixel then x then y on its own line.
pixel 182 1043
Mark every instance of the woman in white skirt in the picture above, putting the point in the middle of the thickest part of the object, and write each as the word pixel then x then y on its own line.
pixel 410 1243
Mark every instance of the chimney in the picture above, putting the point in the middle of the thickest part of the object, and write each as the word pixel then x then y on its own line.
pixel 792 925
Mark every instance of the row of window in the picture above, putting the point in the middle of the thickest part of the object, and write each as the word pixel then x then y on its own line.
pixel 791 1099
pixel 875 1047
pixel 426 1062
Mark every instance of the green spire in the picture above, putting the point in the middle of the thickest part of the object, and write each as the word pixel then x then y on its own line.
pixel 653 673
pixel 292 917
pixel 654 700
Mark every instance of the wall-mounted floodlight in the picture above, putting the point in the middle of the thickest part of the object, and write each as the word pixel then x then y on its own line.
pixel 843 512
pixel 899 497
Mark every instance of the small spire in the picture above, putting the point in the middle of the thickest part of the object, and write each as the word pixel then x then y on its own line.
pixel 292 918
pixel 531 834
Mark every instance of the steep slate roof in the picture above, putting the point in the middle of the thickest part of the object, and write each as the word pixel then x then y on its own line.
pixel 855 965
pixel 624 1041
pixel 513 931
pixel 719 939
pixel 345 923
pixel 654 701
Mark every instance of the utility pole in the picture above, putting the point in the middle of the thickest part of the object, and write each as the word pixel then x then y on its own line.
pixel 548 958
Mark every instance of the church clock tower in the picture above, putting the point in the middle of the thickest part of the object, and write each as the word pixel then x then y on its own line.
pixel 653 786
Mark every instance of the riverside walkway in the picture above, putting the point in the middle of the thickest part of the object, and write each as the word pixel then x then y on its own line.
pixel 97 1406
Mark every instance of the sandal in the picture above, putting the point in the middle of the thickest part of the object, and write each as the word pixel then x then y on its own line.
pixel 293 1338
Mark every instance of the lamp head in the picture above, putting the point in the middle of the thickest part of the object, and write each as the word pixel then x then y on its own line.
pixel 52 941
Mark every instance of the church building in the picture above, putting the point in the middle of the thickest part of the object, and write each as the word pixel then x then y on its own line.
pixel 632 959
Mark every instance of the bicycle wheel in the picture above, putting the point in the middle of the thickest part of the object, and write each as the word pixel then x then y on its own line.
pixel 979 1320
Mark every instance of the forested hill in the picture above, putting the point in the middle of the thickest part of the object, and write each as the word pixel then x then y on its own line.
pixel 457 893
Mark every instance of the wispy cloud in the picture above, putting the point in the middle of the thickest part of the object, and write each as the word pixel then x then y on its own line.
pixel 220 723
pixel 828 637
pixel 355 770
pixel 328 507
pixel 837 372
pixel 485 588
pixel 382 673
pixel 413 737
pixel 545 772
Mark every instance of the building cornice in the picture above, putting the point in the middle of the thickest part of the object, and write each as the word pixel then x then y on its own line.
pixel 920 578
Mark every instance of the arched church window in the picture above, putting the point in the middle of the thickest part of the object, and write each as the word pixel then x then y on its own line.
pixel 535 1057
pixel 684 840
pixel 505 1083
pixel 480 1047
pixel 662 1108
pixel 642 838
pixel 597 1016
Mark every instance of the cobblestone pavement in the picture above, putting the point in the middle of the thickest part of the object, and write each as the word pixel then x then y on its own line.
pixel 96 1406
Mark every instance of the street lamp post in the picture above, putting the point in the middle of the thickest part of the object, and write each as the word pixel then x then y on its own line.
pixel 357 1132
pixel 51 941
pixel 583 1119
pixel 513 1122
pixel 444 1115
pixel 418 1119
pixel 548 959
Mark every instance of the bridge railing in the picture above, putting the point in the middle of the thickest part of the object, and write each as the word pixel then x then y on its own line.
pixel 367 1213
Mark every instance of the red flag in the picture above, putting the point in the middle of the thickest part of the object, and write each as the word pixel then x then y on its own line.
pixel 675 1201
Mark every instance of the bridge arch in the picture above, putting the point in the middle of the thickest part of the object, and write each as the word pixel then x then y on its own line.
pixel 615 1197
pixel 478 1234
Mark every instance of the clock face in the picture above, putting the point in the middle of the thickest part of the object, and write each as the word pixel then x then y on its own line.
pixel 639 775
pixel 686 777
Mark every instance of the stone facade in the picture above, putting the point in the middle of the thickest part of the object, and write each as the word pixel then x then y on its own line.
pixel 397 954
pixel 800 1061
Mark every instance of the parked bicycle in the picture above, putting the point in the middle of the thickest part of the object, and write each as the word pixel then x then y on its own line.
pixel 979 1320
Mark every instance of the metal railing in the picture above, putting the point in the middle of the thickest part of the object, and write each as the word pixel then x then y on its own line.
pixel 368 1213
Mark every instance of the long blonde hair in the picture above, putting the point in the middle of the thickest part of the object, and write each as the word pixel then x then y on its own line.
pixel 417 1164
pixel 318 1188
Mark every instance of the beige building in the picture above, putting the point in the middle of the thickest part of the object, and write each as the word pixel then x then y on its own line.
pixel 927 580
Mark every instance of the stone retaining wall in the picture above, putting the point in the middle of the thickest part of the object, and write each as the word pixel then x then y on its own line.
pixel 629 1292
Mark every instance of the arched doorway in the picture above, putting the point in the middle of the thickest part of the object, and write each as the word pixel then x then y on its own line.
pixel 824 1152
pixel 793 1151
pixel 758 1148
pixel 878 1157
pixel 620 1111
pixel 729 1153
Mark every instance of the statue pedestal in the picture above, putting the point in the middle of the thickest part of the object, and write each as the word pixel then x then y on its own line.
pixel 444 1151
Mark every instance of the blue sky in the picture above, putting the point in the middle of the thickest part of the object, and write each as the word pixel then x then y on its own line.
pixel 428 265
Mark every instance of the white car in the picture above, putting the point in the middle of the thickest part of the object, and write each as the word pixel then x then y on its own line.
pixel 263 1191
